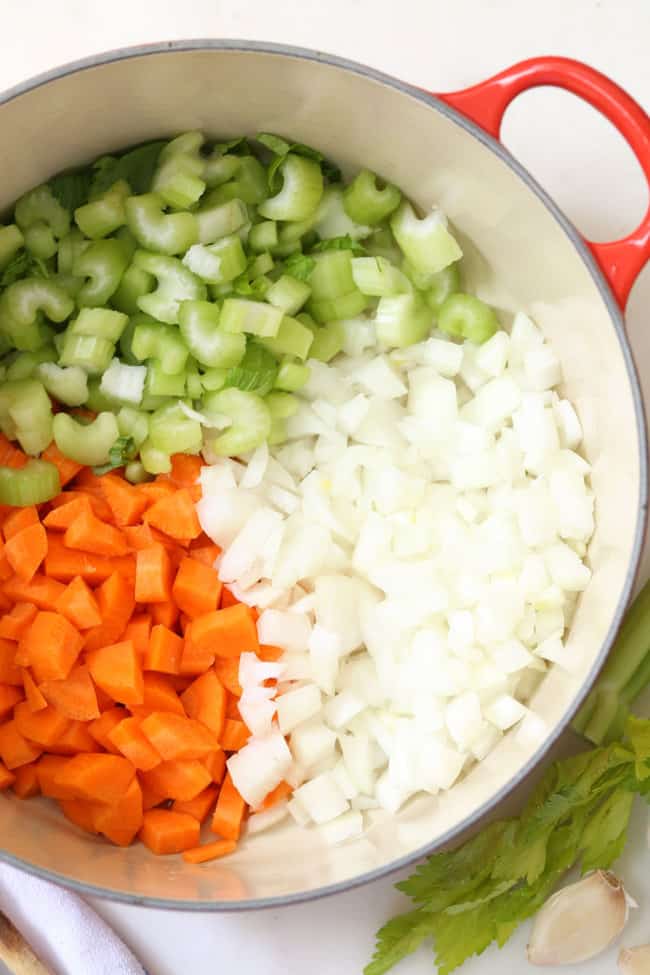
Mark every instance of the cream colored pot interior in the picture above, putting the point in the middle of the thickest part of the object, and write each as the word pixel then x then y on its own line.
pixel 520 257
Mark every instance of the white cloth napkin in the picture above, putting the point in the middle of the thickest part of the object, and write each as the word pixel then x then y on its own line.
pixel 64 932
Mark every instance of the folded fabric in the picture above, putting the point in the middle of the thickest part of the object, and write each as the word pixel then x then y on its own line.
pixel 63 931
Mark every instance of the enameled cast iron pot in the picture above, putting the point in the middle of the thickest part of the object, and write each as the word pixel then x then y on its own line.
pixel 521 253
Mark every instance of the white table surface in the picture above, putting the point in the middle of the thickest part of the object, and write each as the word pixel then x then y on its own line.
pixel 443 45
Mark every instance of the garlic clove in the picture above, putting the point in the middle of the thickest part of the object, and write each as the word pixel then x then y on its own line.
pixel 579 921
pixel 634 961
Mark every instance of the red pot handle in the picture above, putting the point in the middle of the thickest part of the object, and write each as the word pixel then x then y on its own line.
pixel 621 260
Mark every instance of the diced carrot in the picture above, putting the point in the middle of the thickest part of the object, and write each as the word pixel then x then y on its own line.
pixel 195 660
pixel 44 727
pixel 205 552
pixel 15 749
pixel 179 682
pixel 216 766
pixel 185 471
pixel 116 669
pixel 177 780
pixel 100 777
pixel 78 604
pixel 205 701
pixel 14 623
pixel 175 515
pixel 227 670
pixel 6 572
pixel 48 769
pixel 177 738
pixel 197 588
pixel 126 503
pixel 81 813
pixel 26 782
pixel 64 563
pixel 10 454
pixel 90 534
pixel 165 651
pixel 164 831
pixel 97 503
pixel 139 536
pixel 18 520
pixel 227 632
pixel 153 575
pixel 100 729
pixel 116 604
pixel 201 806
pixel 75 696
pixel 229 813
pixel 138 630
pixel 7 778
pixel 62 517
pixel 34 696
pixel 165 614
pixel 9 696
pixel 279 794
pixel 9 670
pixel 130 740
pixel 227 599
pixel 76 739
pixel 150 799
pixel 26 550
pixel 232 708
pixel 67 468
pixel 209 851
pixel 42 591
pixel 269 654
pixel 52 645
pixel 159 694
pixel 121 822
pixel 155 490
pixel 235 735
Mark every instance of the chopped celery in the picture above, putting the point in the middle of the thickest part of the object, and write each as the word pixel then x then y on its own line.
pixel 164 233
pixel 220 220
pixel 25 364
pixel 40 205
pixel 162 342
pixel 40 241
pixel 278 431
pixel 133 423
pixel 442 285
pixel 465 316
pixel 27 408
pixel 254 317
pixel 178 178
pixel 337 309
pixel 377 277
pixel 291 375
pixel 331 275
pixel 134 284
pixel 175 284
pixel 90 352
pixel 123 383
pixel 213 379
pixel 22 301
pixel 293 338
pixel 402 320
pixel 104 323
pixel 331 219
pixel 288 293
pixel 262 264
pixel 172 432
pixel 154 461
pixel 161 383
pixel 97 401
pixel 281 405
pixel 135 472
pixel 89 444
pixel 251 422
pixel 104 215
pixel 426 243
pixel 365 202
pixel 328 341
pixel 70 247
pixel 36 482
pixel 217 263
pixel 302 189
pixel 249 184
pixel 219 168
pixel 103 263
pixel 263 236
pixel 68 384
pixel 257 371
pixel 11 240
pixel 210 345
pixel 193 385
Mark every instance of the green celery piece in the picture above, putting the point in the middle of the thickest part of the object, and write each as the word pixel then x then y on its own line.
pixel 219 168
pixel 251 422
pixel 104 323
pixel 67 384
pixel 88 444
pixel 402 320
pixel 441 285
pixel 161 383
pixel 41 206
pixel 70 248
pixel 253 317
pixel 136 166
pixel 220 219
pixel 153 460
pixel 366 203
pixel 465 316
pixel 157 231
pixel 331 275
pixel 171 431
pixel 105 215
pixel 175 285
pixel 23 300
pixel 40 241
pixel 36 482
pixel 90 352
pixel 328 341
pixel 377 277
pixel 299 266
pixel 134 424
pixel 302 189
pixel 164 343
pixel 121 453
pixel 291 375
pixel 293 338
pixel 210 345
pixel 179 176
pixel 248 184
pixel 263 236
pixel 281 405
pixel 103 262
pixel 217 263
pixel 135 472
pixel 288 293
pixel 25 364
pixel 427 243
pixel 134 284
pixel 256 371
pixel 11 240
pixel 27 406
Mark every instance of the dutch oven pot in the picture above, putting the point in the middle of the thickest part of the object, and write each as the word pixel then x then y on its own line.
pixel 521 253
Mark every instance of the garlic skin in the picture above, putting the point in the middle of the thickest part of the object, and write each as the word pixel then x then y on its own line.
pixel 634 961
pixel 580 921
